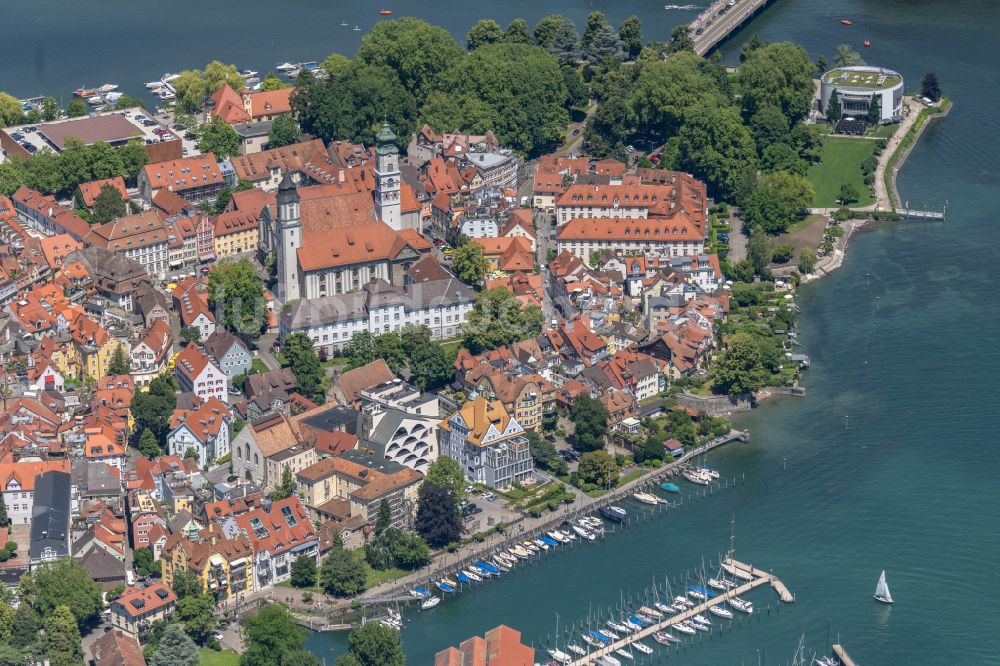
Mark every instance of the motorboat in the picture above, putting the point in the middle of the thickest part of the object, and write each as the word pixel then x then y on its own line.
pixel 882 594
pixel 602 637
pixel 554 534
pixel 720 584
pixel 445 587
pixel 560 656
pixel 520 552
pixel 576 649
pixel 96 100
pixel 613 513
pixel 584 533
pixel 697 594
pixel 721 611
pixel 549 540
pixel 682 601
pixel 591 641
pixel 84 92
pixel 685 628
pixel 592 522
pixel 248 73
pixel 569 536
pixel 867 43
pixel 530 545
pixel 642 647
pixel 742 605
pixel 384 12
pixel 108 87
pixel 670 487
pixel 286 67
pixel 625 653
pixel 154 85
pixel 113 97
pixel 167 78
pixel 701 619
pixel 846 22
pixel 646 498
pixel 709 472
pixel 420 592
pixel 608 660
pixel 449 581
pixel 429 603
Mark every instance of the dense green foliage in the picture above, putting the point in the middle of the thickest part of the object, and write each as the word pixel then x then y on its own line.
pixel 270 636
pixel 61 583
pixel 284 131
pixel 437 518
pixel 300 355
pixel 153 408
pixel 429 364
pixel 469 263
pixel 446 473
pixel 373 644
pixel 342 573
pixel 590 421
pixel 237 291
pixel 176 648
pixel 219 138
pixel 498 318
pixel 598 468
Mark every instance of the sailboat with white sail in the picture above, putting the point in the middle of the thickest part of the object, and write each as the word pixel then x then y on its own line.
pixel 882 594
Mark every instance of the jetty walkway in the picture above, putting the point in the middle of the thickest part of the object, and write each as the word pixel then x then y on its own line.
pixel 753 578
pixel 845 659
pixel 715 29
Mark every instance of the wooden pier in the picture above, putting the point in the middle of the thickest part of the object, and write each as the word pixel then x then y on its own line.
pixel 845 659
pixel 754 578
pixel 926 215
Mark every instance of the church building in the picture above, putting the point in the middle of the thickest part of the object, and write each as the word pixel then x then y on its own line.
pixel 331 239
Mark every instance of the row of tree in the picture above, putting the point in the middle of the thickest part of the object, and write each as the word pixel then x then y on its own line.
pixel 428 365
pixel 61 173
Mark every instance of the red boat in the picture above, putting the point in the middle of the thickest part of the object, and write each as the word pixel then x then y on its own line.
pixel 867 43
pixel 84 92
pixel 385 12
pixel 847 21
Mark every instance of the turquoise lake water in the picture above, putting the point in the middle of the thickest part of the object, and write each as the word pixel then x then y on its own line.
pixel 902 339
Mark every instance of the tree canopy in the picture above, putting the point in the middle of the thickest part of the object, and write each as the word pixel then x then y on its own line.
pixel 219 138
pixel 778 199
pixel 108 205
pixel 437 518
pixel 237 290
pixel 469 263
pixel 598 468
pixel 666 91
pixel 446 473
pixel 271 634
pixel 590 420
pixel 342 574
pixel 740 368
pixel 716 147
pixel 847 57
pixel 515 90
pixel 778 75
pixel 485 31
pixel 176 648
pixel 373 644
pixel 63 582
pixel 284 131
pixel 498 318
pixel 300 355
pixel 416 50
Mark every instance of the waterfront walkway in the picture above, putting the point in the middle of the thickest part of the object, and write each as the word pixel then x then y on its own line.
pixel 754 578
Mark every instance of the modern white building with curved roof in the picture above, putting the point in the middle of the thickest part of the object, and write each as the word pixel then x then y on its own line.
pixel 858 85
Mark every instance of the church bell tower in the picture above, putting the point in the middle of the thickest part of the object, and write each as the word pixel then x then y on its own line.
pixel 289 240
pixel 387 177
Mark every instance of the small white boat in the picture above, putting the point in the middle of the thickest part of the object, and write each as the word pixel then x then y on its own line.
pixel 709 472
pixel 685 628
pixel 286 67
pixel 882 594
pixel 357 29
pixel 721 611
pixel 608 660
pixel 631 625
pixel 554 534
pixel 167 78
pixel 618 627
pixel 113 97
pixel 96 100
pixel 682 601
pixel 530 545
pixel 701 619
pixel 472 575
pixel 584 533
pixel 665 638
pixel 696 594
pixel 642 647
pixel 611 634
pixel 717 584
pixel 697 477
pixel 343 24
pixel 154 85
pixel 576 649
pixel 166 94
pixel 560 656
pixel 569 536
pixel 248 73
pixel 429 602
pixel 590 640
pixel 742 605
pixel 646 498
pixel 665 608
pixel 541 544
pixel 625 653
pixel 520 552
pixel 108 87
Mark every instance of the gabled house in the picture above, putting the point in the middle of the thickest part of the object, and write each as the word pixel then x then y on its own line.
pixel 205 429
pixel 197 373
pixel 228 352
pixel 150 354
pixel 280 532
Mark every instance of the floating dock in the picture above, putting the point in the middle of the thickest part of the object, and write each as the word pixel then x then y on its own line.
pixel 754 578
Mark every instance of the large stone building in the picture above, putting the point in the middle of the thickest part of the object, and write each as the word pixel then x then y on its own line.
pixel 488 444
pixel 440 305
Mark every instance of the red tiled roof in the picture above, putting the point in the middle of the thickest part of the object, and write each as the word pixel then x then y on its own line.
pixel 91 189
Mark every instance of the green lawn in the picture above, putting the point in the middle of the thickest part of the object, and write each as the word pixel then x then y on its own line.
pixel 258 366
pixel 209 657
pixel 376 577
pixel 632 475
pixel 840 164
